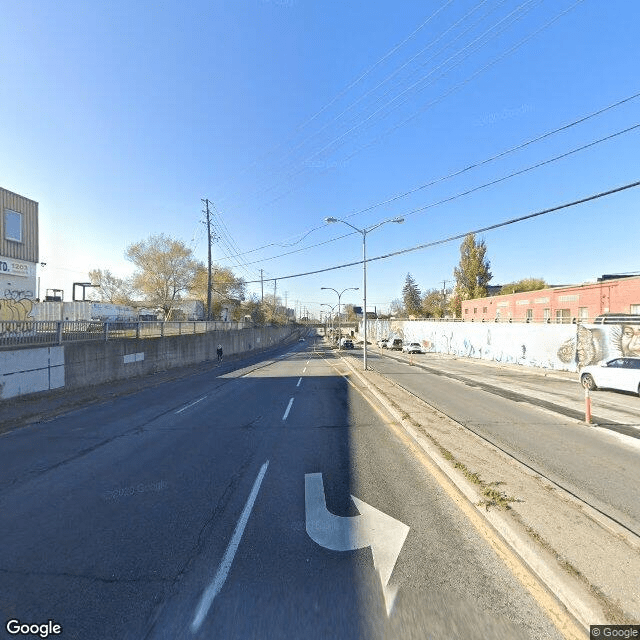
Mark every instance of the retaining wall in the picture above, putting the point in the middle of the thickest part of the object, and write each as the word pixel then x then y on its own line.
pixel 566 347
pixel 80 364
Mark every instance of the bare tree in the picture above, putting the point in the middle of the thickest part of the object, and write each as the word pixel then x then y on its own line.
pixel 110 288
pixel 165 270
pixel 225 286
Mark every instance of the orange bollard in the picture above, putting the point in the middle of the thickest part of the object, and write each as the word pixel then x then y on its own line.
pixel 587 406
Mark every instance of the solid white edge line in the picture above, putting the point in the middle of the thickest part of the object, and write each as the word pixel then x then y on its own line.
pixel 223 570
pixel 286 413
pixel 191 405
pixel 299 381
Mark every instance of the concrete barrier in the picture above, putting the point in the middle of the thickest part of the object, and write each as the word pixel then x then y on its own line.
pixel 80 364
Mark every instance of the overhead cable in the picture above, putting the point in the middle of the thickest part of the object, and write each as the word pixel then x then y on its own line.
pixel 462 235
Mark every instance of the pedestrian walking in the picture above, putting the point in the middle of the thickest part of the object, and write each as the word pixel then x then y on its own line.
pixel 219 351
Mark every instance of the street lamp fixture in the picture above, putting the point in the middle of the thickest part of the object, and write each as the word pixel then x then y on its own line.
pixel 339 296
pixel 324 304
pixel 331 220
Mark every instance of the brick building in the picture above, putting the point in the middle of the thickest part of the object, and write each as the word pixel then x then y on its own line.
pixel 575 303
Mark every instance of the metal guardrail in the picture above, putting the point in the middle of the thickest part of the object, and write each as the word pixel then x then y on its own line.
pixel 51 332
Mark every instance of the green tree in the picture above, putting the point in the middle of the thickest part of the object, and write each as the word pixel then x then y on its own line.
pixel 434 303
pixel 472 273
pixel 165 270
pixel 526 284
pixel 110 288
pixel 411 296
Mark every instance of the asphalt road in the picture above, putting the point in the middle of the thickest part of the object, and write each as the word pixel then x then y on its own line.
pixel 535 419
pixel 183 511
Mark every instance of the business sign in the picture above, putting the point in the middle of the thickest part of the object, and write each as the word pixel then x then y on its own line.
pixel 12 267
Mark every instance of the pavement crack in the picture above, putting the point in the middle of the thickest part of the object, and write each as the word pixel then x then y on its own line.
pixel 24 573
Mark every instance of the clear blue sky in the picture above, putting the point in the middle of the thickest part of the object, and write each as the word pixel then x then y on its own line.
pixel 119 117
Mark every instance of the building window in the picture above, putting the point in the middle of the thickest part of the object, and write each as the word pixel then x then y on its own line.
pixel 529 315
pixel 12 225
pixel 484 309
pixel 546 314
pixel 583 313
pixel 563 315
pixel 634 309
pixel 466 311
pixel 475 310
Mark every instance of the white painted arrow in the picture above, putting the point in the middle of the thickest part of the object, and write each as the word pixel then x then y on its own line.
pixel 372 528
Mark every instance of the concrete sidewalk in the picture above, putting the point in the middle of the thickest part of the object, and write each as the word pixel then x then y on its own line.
pixel 588 561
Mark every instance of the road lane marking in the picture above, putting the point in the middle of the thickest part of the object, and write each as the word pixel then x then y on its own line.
pixel 304 370
pixel 372 528
pixel 223 570
pixel 191 405
pixel 299 381
pixel 286 413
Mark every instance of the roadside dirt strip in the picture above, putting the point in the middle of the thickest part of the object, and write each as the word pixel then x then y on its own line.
pixel 586 560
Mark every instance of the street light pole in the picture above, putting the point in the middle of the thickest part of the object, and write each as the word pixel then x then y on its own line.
pixel 339 318
pixel 324 304
pixel 364 232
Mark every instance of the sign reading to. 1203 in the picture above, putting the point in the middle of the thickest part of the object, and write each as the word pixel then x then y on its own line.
pixel 14 268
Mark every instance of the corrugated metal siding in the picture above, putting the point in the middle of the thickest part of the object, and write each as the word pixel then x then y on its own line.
pixel 27 249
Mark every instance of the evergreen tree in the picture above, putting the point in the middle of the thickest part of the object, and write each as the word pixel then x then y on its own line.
pixel 411 296
pixel 472 274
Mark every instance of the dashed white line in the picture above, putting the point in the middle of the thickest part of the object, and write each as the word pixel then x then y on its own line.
pixel 299 381
pixel 286 413
pixel 191 405
pixel 303 371
pixel 223 570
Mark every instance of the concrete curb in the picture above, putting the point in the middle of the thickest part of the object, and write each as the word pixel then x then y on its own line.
pixel 575 597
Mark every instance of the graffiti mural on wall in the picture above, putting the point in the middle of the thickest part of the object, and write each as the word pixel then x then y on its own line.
pixel 15 307
pixel 566 347
pixel 594 344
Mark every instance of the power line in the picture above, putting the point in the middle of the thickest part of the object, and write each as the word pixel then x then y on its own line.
pixel 454 174
pixel 466 192
pixel 359 124
pixel 353 83
pixel 466 81
pixel 462 235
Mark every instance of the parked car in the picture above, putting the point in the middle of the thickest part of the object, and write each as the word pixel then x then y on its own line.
pixel 413 347
pixel 383 343
pixel 621 374
pixel 347 343
pixel 395 344
pixel 617 318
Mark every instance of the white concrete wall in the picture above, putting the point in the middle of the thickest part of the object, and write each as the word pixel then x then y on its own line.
pixel 31 370
pixel 546 346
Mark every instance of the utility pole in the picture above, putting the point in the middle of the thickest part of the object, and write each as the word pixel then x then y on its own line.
pixel 207 212
pixel 444 295
pixel 262 286
pixel 275 288
pixel 286 312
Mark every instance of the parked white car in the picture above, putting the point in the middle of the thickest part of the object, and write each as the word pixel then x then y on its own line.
pixel 413 347
pixel 383 343
pixel 622 374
